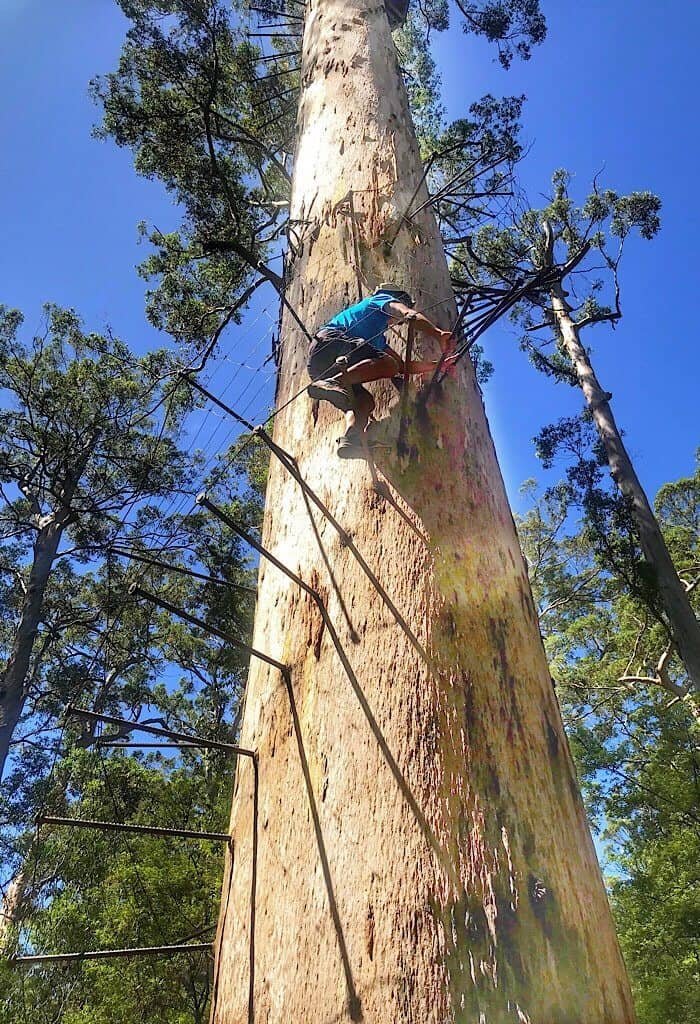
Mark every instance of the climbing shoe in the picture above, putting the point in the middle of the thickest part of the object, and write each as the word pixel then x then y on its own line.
pixel 350 449
pixel 352 445
pixel 327 391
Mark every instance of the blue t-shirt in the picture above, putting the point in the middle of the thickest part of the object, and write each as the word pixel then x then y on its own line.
pixel 366 319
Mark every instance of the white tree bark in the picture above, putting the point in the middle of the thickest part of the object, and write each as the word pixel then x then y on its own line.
pixel 422 851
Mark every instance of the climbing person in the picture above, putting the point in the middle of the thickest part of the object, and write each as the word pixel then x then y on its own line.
pixel 351 350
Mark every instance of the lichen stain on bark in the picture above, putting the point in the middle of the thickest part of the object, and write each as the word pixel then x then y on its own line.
pixel 493 947
pixel 492 982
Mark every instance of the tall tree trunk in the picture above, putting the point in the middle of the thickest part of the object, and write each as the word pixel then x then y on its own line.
pixel 422 850
pixel 12 681
pixel 684 626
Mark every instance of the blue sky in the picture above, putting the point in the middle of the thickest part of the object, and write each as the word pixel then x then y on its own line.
pixel 613 87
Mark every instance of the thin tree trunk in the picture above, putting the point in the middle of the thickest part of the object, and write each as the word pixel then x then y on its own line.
pixel 684 626
pixel 12 908
pixel 423 854
pixel 12 682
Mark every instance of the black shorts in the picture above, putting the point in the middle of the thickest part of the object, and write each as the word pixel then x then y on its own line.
pixel 331 342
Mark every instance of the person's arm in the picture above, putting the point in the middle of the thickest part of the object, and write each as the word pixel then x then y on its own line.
pixel 400 311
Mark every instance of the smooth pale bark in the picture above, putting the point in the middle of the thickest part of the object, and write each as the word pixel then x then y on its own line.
pixel 12 681
pixel 11 908
pixel 422 851
pixel 684 626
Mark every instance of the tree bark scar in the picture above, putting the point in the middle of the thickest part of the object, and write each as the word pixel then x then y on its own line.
pixel 538 894
pixel 499 634
pixel 318 635
pixel 369 932
pixel 552 738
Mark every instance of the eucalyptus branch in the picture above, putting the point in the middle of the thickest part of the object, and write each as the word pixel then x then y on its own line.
pixel 661 676
pixel 567 598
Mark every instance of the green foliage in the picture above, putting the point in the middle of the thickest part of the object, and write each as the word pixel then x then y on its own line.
pixel 658 916
pixel 607 517
pixel 677 508
pixel 188 100
pixel 471 177
pixel 592 236
pixel 80 422
pixel 101 890
pixel 422 80
pixel 88 435
pixel 202 115
pixel 558 239
pixel 88 440
pixel 86 890
pixel 515 26
pixel 633 738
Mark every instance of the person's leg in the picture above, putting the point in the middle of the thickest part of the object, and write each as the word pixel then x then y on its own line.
pixel 329 347
pixel 381 367
pixel 353 444
pixel 350 361
pixel 339 367
pixel 358 417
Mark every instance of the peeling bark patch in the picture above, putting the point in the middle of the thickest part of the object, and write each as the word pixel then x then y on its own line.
pixel 539 897
pixel 324 787
pixel 555 764
pixel 470 958
pixel 315 625
pixel 528 842
pixel 498 631
pixel 573 788
pixel 369 932
pixel 525 596
pixel 493 785
pixel 508 938
pixel 318 638
pixel 469 716
pixel 499 636
pixel 552 738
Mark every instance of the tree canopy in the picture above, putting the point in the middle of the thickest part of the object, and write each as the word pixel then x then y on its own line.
pixel 633 736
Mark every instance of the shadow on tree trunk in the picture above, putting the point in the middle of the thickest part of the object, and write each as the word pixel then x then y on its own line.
pixel 354 1004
